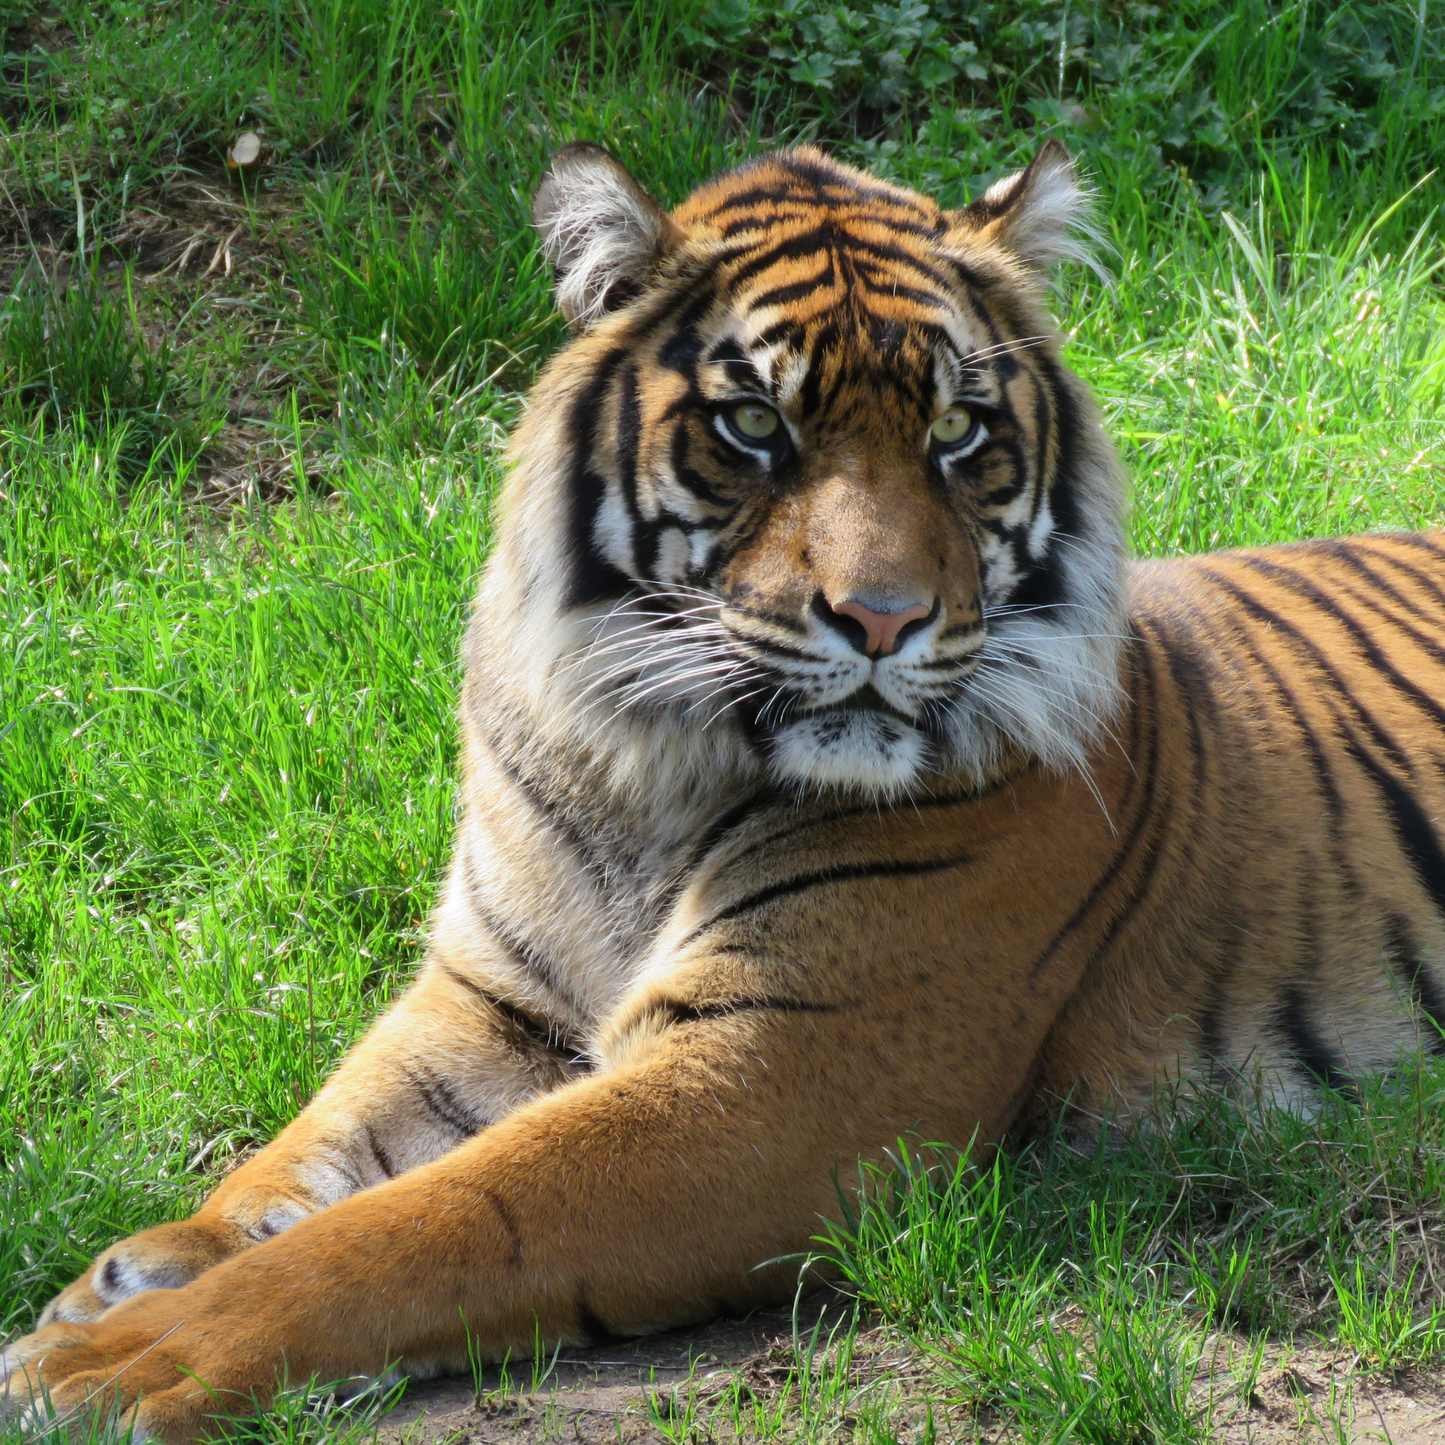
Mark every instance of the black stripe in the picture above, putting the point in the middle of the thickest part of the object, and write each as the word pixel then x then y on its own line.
pixel 1069 424
pixel 1416 837
pixel 378 1152
pixel 340 1155
pixel 1320 763
pixel 1291 1021
pixel 1287 629
pixel 794 291
pixel 677 1012
pixel 1417 539
pixel 875 253
pixel 1367 597
pixel 767 196
pixel 1352 559
pixel 544 1034
pixel 1058 424
pixel 781 649
pixel 810 393
pixel 688 476
pixel 818 180
pixel 721 826
pixel 1292 581
pixel 1044 445
pixel 509 1223
pixel 682 344
pixel 884 288
pixel 1189 672
pixel 820 878
pixel 1406 957
pixel 1160 814
pixel 592 578
pixel 969 278
pixel 1144 815
pixel 862 810
pixel 822 238
pixel 436 1094
pixel 628 440
pixel 524 954
pixel 784 329
pixel 553 815
pixel 788 624
pixel 1421 579
pixel 739 366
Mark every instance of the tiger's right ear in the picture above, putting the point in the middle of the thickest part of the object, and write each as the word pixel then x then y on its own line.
pixel 603 234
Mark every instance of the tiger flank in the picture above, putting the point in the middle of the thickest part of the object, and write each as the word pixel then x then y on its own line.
pixel 828 775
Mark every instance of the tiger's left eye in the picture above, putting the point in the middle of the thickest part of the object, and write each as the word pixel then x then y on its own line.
pixel 952 426
pixel 755 421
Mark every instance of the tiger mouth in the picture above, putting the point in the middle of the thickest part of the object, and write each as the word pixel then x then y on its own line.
pixel 866 699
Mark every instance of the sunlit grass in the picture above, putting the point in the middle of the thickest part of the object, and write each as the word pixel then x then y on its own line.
pixel 226 774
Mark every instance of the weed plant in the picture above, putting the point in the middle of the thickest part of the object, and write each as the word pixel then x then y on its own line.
pixel 225 738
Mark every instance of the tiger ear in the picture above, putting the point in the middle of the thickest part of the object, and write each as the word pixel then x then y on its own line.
pixel 1040 215
pixel 601 232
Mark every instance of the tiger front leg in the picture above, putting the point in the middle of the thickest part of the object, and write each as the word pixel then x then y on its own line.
pixel 449 1059
pixel 646 1195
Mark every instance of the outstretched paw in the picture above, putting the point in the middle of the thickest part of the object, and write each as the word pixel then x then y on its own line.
pixel 169 1256
pixel 141 1364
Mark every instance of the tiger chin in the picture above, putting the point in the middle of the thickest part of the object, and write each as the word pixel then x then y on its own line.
pixel 827 775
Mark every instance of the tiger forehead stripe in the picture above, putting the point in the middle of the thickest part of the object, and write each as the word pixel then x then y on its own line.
pixel 865 250
pixel 753 195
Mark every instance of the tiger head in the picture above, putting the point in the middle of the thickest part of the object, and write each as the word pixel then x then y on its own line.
pixel 812 475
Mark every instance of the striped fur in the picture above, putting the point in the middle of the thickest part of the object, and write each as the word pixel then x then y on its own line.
pixel 735 901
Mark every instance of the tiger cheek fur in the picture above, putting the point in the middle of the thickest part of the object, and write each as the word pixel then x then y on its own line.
pixel 826 776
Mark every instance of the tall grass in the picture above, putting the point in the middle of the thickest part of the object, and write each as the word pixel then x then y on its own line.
pixel 225 774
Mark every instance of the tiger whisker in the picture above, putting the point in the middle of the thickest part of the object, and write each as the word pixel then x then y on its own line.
pixel 659 650
pixel 618 642
pixel 1003 348
pixel 730 703
pixel 635 695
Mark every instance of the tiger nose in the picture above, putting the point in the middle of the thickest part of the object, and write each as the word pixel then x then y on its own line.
pixel 881 628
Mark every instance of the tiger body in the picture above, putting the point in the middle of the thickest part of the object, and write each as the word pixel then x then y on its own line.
pixel 827 775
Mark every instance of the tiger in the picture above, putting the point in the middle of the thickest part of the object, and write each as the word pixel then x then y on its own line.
pixel 829 775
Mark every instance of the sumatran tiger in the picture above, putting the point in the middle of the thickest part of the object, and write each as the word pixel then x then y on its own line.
pixel 828 775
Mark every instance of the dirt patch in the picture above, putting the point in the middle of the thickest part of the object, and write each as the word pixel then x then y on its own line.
pixel 619 1394
pixel 1307 1396
pixel 1294 1402
pixel 603 1394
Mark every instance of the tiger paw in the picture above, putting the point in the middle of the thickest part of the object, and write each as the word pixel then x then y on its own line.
pixel 143 1365
pixel 166 1257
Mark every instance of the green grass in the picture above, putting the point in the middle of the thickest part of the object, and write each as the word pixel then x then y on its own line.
pixel 1052 1285
pixel 225 731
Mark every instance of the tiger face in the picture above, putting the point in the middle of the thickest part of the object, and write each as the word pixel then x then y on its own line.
pixel 821 478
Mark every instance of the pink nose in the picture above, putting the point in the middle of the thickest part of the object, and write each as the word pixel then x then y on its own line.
pixel 882 627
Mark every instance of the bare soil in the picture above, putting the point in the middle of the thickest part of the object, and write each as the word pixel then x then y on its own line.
pixel 615 1393
pixel 602 1394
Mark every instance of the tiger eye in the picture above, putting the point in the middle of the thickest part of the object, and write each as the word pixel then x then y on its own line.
pixel 952 426
pixel 756 421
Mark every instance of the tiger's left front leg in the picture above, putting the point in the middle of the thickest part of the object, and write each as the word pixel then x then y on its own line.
pixel 639 1197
